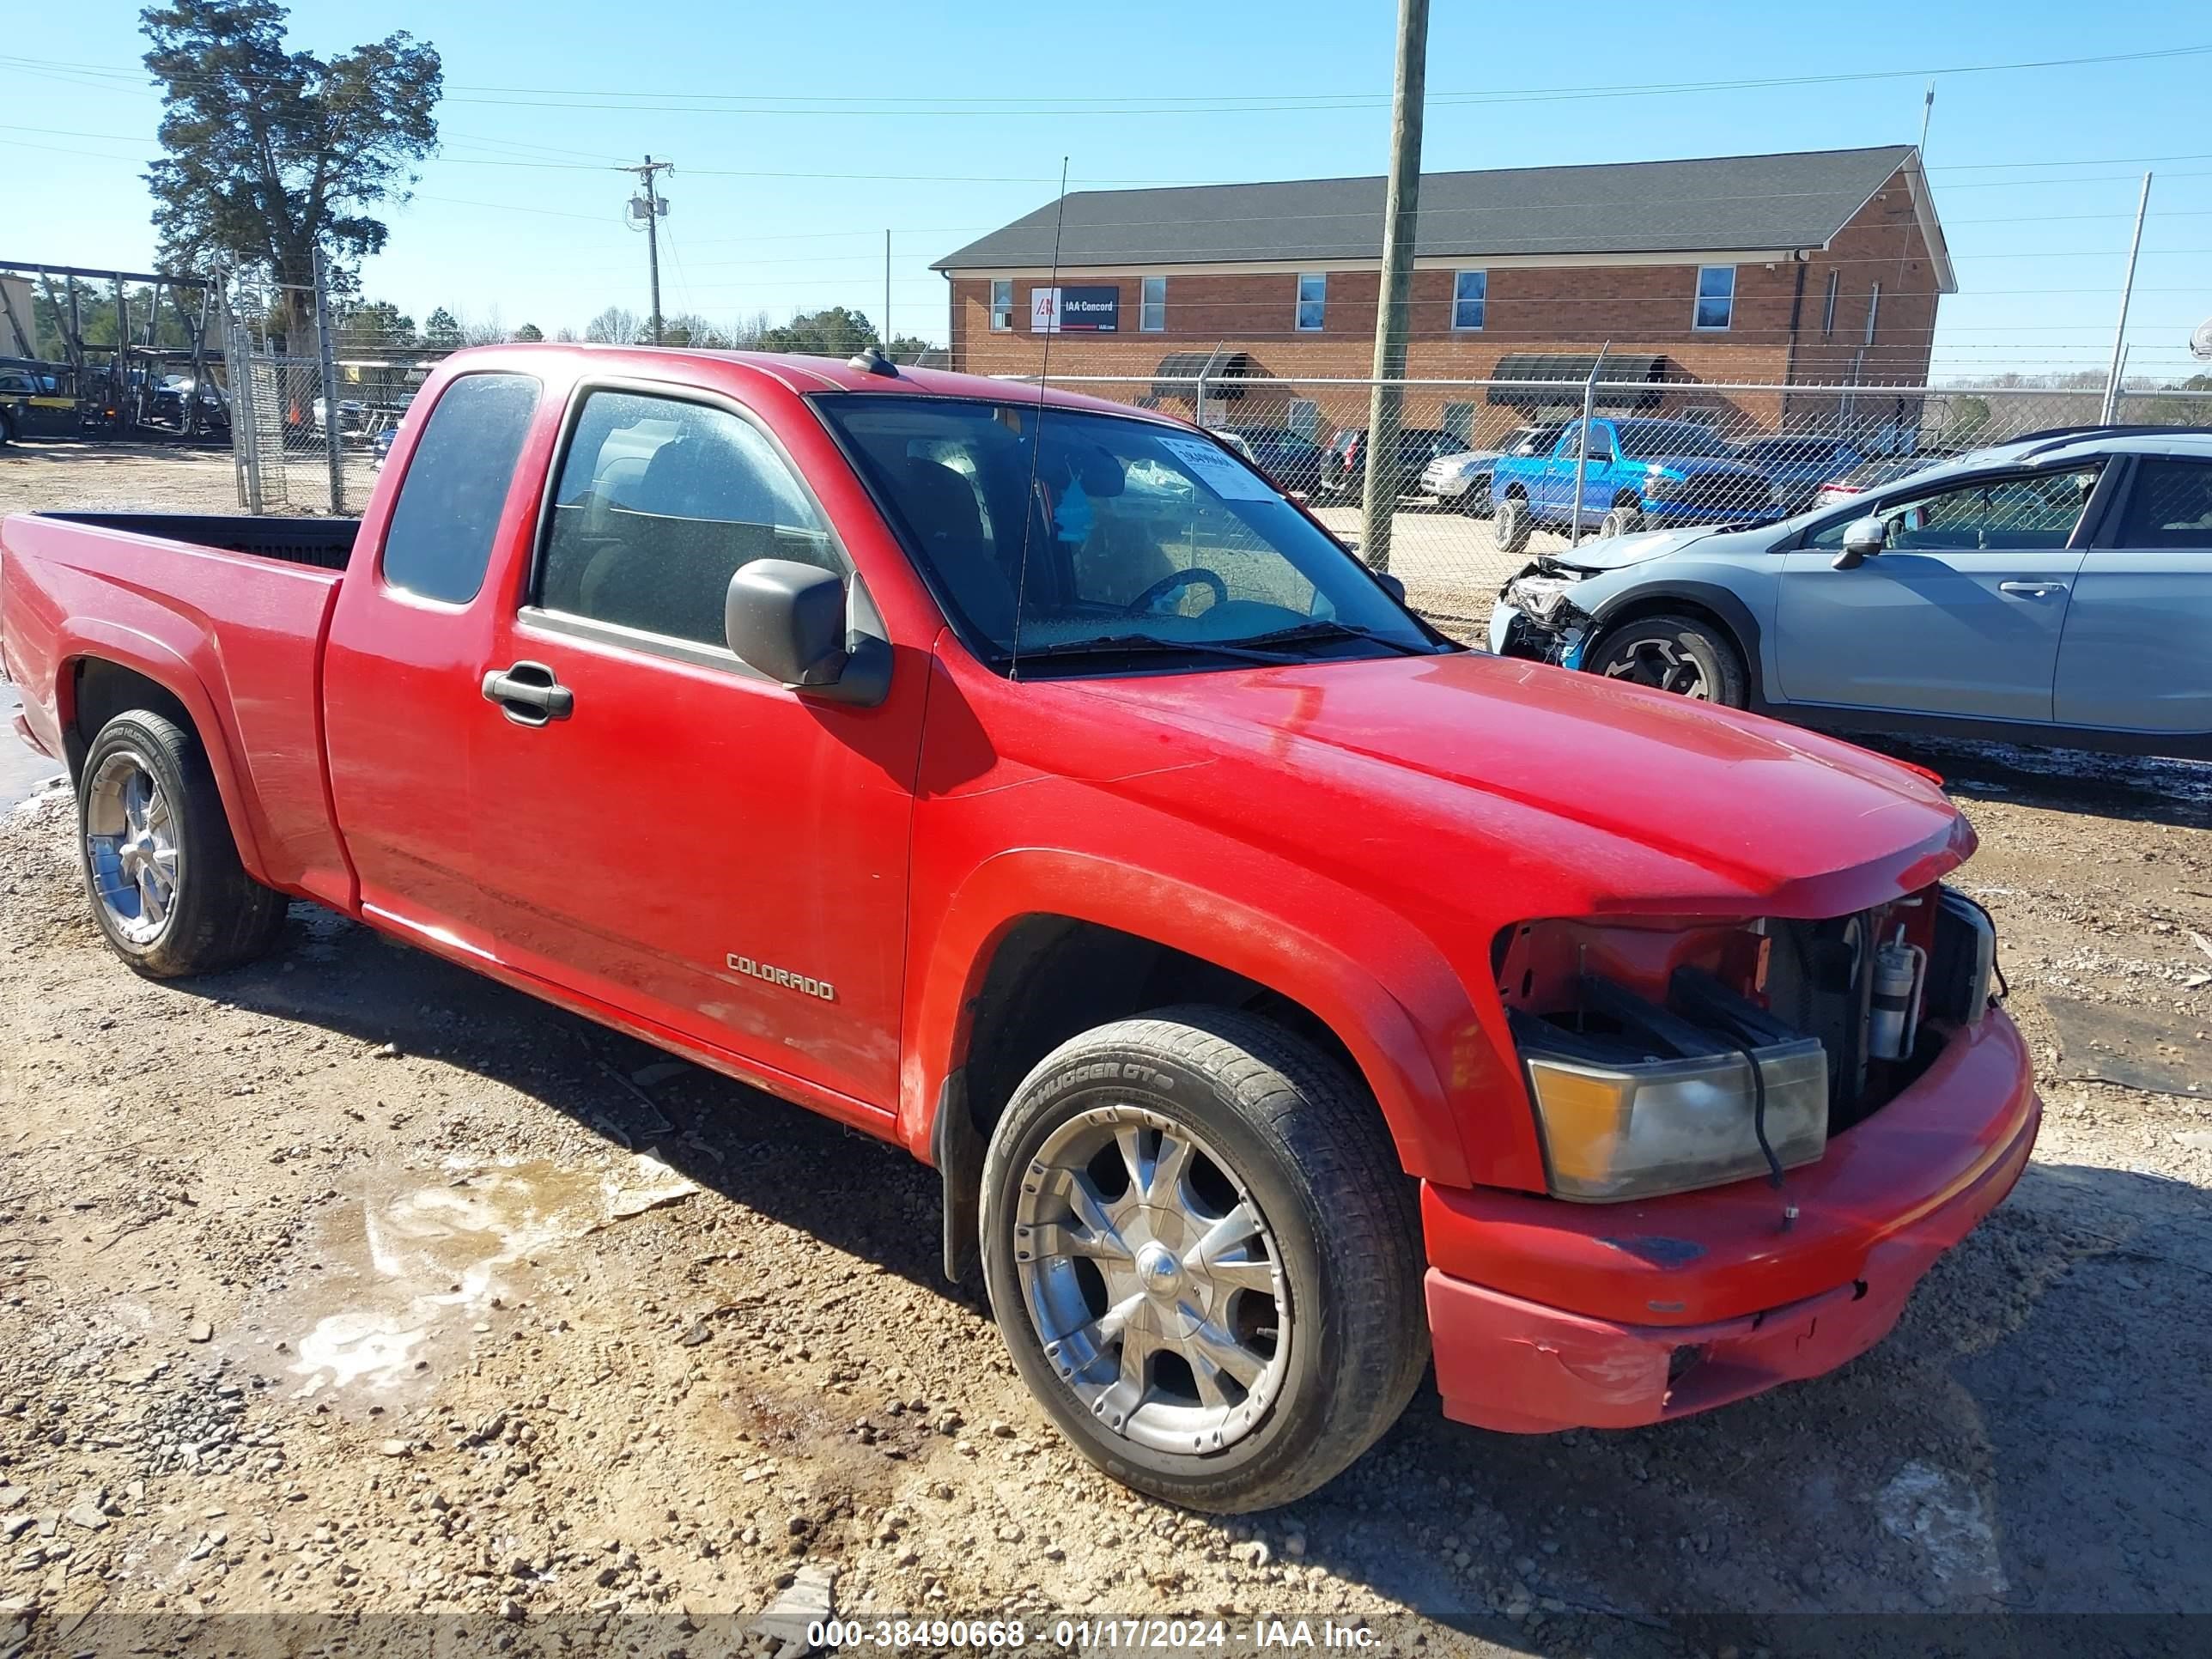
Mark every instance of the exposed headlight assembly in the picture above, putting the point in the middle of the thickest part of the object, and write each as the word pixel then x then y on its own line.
pixel 1633 1100
pixel 1540 597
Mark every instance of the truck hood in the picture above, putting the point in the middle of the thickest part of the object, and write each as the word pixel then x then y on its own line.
pixel 1468 768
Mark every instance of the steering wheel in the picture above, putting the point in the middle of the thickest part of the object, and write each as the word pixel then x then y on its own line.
pixel 1174 582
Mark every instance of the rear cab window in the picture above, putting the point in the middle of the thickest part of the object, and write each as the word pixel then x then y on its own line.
pixel 439 538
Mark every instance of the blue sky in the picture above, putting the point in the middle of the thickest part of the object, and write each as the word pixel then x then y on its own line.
pixel 801 134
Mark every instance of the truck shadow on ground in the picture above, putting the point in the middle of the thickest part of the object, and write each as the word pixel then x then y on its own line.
pixel 2029 1442
pixel 2141 789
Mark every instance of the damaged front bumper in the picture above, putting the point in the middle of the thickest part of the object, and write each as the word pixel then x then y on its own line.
pixel 1537 618
pixel 1547 1316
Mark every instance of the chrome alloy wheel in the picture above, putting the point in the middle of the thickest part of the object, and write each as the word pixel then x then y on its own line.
pixel 1152 1280
pixel 131 842
pixel 1663 664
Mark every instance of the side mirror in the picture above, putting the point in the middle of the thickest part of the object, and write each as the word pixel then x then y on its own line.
pixel 1862 539
pixel 788 620
pixel 1394 587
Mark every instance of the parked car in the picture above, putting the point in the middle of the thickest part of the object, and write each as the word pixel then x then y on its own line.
pixel 2056 590
pixel 1095 867
pixel 379 446
pixel 1797 465
pixel 1461 480
pixel 210 404
pixel 353 415
pixel 1637 471
pixel 1871 474
pixel 1290 458
pixel 1344 466
pixel 31 403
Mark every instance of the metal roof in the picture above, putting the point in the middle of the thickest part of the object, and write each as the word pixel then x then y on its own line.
pixel 1750 202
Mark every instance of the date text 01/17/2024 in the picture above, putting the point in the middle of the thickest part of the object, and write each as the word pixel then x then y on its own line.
pixel 1125 1635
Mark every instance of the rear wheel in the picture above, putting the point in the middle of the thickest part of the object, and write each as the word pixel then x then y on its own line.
pixel 1509 526
pixel 1625 519
pixel 1204 1257
pixel 166 887
pixel 7 428
pixel 1686 655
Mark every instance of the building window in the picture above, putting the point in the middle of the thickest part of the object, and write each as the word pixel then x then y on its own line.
pixel 1874 311
pixel 1469 290
pixel 1002 304
pixel 1715 297
pixel 1313 299
pixel 1152 304
pixel 1303 416
pixel 1828 305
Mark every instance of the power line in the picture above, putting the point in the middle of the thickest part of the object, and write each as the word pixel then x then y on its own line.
pixel 1147 104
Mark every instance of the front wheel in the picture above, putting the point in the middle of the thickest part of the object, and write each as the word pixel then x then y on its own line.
pixel 1205 1258
pixel 1682 655
pixel 168 889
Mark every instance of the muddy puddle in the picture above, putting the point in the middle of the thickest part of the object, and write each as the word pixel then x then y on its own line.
pixel 415 1273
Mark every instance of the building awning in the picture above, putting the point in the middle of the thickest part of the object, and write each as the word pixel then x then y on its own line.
pixel 1621 369
pixel 1178 368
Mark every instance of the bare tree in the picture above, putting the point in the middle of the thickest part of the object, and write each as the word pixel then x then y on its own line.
pixel 616 325
pixel 487 330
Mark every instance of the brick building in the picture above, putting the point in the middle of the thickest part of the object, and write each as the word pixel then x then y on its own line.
pixel 1819 268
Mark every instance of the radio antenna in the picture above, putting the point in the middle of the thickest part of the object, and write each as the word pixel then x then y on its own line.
pixel 1036 437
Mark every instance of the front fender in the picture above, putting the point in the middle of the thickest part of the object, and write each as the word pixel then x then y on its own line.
pixel 1655 589
pixel 1381 1024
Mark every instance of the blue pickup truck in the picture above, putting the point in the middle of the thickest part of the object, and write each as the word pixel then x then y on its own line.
pixel 1639 472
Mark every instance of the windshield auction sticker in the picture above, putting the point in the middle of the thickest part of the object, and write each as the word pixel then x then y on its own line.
pixel 1218 471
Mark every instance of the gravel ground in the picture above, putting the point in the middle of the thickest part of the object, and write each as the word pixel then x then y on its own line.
pixel 350 1285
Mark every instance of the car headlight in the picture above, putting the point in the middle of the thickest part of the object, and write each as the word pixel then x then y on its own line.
pixel 1633 1100
pixel 1661 486
pixel 1540 597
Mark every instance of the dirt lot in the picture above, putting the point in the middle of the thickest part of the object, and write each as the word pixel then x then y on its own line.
pixel 351 1285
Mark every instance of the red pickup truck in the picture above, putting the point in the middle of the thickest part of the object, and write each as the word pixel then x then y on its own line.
pixel 1280 988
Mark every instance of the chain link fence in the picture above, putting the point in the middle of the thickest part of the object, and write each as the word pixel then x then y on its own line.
pixel 280 442
pixel 1660 454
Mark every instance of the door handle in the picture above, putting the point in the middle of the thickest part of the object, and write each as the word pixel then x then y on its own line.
pixel 528 694
pixel 2032 590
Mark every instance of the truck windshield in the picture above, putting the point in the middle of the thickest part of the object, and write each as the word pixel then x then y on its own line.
pixel 1111 538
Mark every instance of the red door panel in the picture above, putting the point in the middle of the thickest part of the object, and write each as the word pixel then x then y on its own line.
pixel 684 814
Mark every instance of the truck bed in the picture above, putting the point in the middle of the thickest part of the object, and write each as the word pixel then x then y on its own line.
pixel 322 544
pixel 226 615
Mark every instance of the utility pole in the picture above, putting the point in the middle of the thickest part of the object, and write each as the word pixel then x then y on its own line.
pixel 1401 216
pixel 887 291
pixel 2111 409
pixel 652 209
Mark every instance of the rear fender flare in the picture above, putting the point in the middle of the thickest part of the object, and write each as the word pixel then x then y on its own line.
pixel 93 640
pixel 1380 1024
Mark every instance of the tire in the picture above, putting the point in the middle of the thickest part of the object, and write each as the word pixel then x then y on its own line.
pixel 1626 520
pixel 1509 526
pixel 146 797
pixel 1673 653
pixel 7 431
pixel 1476 502
pixel 1265 1120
